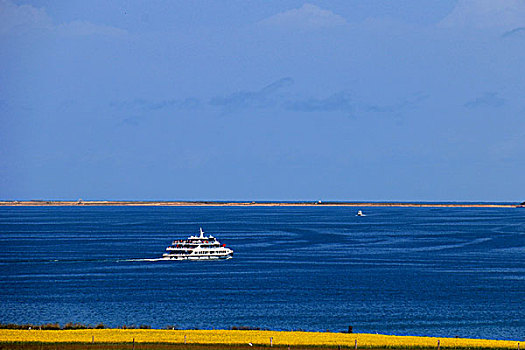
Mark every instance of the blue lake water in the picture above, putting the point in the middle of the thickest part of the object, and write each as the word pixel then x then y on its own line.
pixel 418 271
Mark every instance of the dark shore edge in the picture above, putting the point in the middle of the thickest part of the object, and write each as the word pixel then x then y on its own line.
pixel 35 203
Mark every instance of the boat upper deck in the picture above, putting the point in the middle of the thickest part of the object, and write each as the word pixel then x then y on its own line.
pixel 196 241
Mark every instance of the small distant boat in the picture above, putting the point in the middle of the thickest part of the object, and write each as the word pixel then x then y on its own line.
pixel 198 248
pixel 360 213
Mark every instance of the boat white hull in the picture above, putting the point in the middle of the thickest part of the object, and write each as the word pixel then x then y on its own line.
pixel 189 257
pixel 198 248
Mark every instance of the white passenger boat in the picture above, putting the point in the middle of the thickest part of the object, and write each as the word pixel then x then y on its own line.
pixel 360 213
pixel 198 248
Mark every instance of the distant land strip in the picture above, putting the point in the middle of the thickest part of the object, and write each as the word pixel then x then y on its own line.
pixel 253 204
pixel 245 338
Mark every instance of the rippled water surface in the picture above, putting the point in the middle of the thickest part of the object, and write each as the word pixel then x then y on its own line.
pixel 444 272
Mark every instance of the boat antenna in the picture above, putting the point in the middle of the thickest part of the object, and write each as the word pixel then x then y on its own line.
pixel 202 233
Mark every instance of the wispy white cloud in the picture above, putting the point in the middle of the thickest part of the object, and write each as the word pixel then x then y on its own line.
pixel 15 18
pixel 339 102
pixel 402 104
pixel 22 19
pixel 306 17
pixel 84 28
pixel 144 105
pixel 489 99
pixel 514 33
pixel 277 95
pixel 479 14
pixel 264 97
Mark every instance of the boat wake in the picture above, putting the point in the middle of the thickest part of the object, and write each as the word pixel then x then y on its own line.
pixel 68 261
pixel 156 259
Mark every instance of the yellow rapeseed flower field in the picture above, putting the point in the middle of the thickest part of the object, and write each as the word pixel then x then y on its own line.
pixel 243 337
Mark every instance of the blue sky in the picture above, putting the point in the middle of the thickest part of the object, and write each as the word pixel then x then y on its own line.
pixel 263 100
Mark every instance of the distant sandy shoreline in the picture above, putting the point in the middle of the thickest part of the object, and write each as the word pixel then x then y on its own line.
pixel 33 203
pixel 225 339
